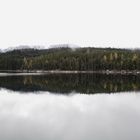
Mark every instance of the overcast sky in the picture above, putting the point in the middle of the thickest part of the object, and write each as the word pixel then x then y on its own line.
pixel 102 23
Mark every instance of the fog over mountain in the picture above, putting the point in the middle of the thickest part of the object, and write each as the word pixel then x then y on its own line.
pixel 39 47
pixel 72 46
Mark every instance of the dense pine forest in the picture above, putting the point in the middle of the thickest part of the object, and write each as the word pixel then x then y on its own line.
pixel 66 58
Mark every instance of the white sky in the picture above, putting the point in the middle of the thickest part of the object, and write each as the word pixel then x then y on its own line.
pixel 104 23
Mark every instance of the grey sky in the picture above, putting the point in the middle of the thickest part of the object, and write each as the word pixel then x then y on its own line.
pixel 106 23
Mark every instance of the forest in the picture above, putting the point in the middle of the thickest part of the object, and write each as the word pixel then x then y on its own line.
pixel 72 59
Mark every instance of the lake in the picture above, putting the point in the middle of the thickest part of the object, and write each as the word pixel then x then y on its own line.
pixel 69 107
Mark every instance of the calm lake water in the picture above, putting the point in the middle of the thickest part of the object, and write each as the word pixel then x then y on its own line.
pixel 69 107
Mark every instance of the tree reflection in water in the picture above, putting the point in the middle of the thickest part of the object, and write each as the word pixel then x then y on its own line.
pixel 67 83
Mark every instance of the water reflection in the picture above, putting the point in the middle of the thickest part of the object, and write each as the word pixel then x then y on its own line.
pixel 74 117
pixel 67 83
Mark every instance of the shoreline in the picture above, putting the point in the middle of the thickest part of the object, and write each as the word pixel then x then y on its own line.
pixel 123 72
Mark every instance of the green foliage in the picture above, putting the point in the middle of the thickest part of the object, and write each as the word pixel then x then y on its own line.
pixel 81 59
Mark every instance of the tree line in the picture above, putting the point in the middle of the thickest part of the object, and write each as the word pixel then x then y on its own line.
pixel 65 58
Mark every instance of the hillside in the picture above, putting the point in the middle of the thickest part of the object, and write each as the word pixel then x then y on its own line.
pixel 65 58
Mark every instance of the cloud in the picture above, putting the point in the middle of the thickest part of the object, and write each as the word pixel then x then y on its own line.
pixel 50 116
pixel 98 23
